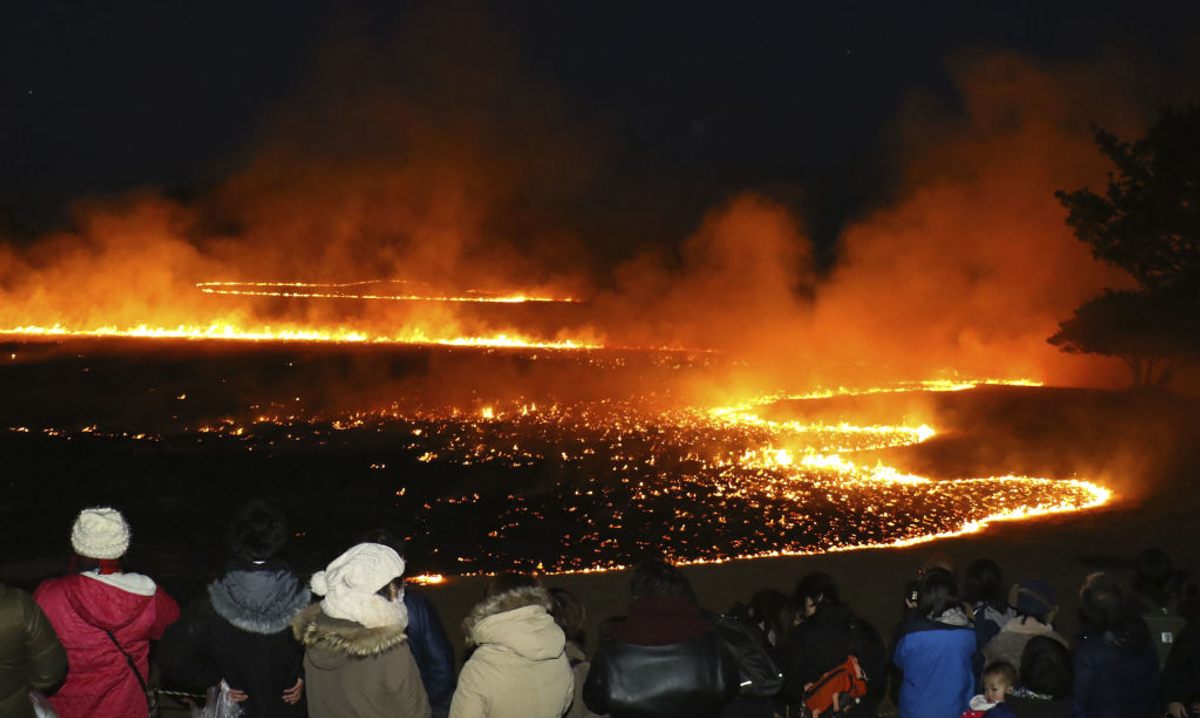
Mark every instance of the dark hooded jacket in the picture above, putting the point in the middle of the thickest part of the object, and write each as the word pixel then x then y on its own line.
pixel 82 607
pixel 663 661
pixel 431 650
pixel 822 642
pixel 1116 674
pixel 241 633
pixel 30 655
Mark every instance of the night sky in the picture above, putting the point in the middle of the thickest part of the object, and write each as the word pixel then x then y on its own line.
pixel 690 102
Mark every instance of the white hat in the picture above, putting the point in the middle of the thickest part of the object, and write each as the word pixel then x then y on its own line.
pixel 351 582
pixel 100 532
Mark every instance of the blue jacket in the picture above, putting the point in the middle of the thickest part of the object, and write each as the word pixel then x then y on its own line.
pixel 1116 677
pixel 430 649
pixel 935 659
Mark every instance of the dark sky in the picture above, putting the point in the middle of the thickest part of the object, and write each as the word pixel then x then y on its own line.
pixel 696 99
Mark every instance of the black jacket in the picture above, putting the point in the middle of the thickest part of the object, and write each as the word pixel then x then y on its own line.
pixel 241 633
pixel 1116 674
pixel 823 642
pixel 1181 676
pixel 431 650
pixel 664 661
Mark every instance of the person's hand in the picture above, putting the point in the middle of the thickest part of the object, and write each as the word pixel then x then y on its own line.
pixel 237 696
pixel 292 695
pixel 1177 710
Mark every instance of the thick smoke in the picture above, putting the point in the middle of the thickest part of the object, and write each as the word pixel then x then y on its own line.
pixel 456 170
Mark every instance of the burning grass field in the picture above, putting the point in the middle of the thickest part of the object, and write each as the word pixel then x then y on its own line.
pixel 537 459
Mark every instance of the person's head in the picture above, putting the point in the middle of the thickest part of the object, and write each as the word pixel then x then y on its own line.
pixel 936 593
pixel 385 537
pixel 361 586
pixel 984 584
pixel 569 613
pixel 1034 599
pixel 510 581
pixel 771 609
pixel 1046 667
pixel 938 560
pixel 656 577
pixel 1101 603
pixel 998 678
pixel 1152 571
pixel 815 591
pixel 100 537
pixel 258 532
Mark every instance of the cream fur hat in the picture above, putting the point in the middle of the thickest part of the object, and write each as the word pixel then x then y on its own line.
pixel 351 582
pixel 100 532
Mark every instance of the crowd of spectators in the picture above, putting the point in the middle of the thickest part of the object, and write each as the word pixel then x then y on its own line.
pixel 356 640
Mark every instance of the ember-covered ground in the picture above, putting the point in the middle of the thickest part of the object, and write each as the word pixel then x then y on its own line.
pixel 494 460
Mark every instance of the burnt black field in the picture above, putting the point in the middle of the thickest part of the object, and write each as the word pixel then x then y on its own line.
pixel 483 460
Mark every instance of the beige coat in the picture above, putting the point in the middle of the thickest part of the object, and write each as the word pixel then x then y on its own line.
pixel 1009 643
pixel 519 668
pixel 356 672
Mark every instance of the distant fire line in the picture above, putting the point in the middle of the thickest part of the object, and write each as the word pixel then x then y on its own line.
pixel 297 290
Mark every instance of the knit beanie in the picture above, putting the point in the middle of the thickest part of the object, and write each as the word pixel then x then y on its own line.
pixel 350 585
pixel 1034 598
pixel 101 533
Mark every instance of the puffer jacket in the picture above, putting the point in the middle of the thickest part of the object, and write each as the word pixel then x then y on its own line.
pixel 519 668
pixel 241 632
pixel 664 661
pixel 30 655
pixel 82 607
pixel 1009 643
pixel 1116 674
pixel 356 672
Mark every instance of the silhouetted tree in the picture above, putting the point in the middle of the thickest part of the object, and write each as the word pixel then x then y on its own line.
pixel 1147 222
pixel 1150 332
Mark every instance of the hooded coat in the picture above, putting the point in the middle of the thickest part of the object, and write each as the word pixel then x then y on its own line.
pixel 519 668
pixel 30 655
pixel 1009 643
pixel 241 633
pixel 352 671
pixel 1116 674
pixel 82 607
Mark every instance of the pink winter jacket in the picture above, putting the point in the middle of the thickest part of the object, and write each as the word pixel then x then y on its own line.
pixel 81 607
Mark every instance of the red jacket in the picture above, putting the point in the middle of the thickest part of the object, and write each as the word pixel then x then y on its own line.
pixel 81 608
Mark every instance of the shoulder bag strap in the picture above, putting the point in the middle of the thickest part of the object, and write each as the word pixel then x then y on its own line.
pixel 132 666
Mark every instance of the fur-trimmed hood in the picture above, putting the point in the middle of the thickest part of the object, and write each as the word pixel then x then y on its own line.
pixel 519 621
pixel 334 641
pixel 259 601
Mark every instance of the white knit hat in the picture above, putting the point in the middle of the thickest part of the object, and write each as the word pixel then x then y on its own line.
pixel 100 532
pixel 351 582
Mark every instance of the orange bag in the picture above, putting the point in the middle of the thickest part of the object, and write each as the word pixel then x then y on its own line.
pixel 837 691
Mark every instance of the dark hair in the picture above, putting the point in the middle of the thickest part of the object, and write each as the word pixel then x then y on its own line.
pixel 937 593
pixel 819 588
pixel 771 608
pixel 1046 667
pixel 984 584
pixel 396 584
pixel 1152 571
pixel 1104 609
pixel 259 532
pixel 510 581
pixel 384 537
pixel 656 577
pixel 569 613
pixel 1001 668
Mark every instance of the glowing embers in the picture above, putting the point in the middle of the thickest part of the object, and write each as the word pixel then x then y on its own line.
pixel 396 290
pixel 224 331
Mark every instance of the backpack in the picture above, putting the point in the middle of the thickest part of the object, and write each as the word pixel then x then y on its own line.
pixel 1164 625
pixel 758 675
pixel 837 690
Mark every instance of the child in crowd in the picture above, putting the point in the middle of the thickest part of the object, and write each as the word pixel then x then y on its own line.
pixel 998 680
